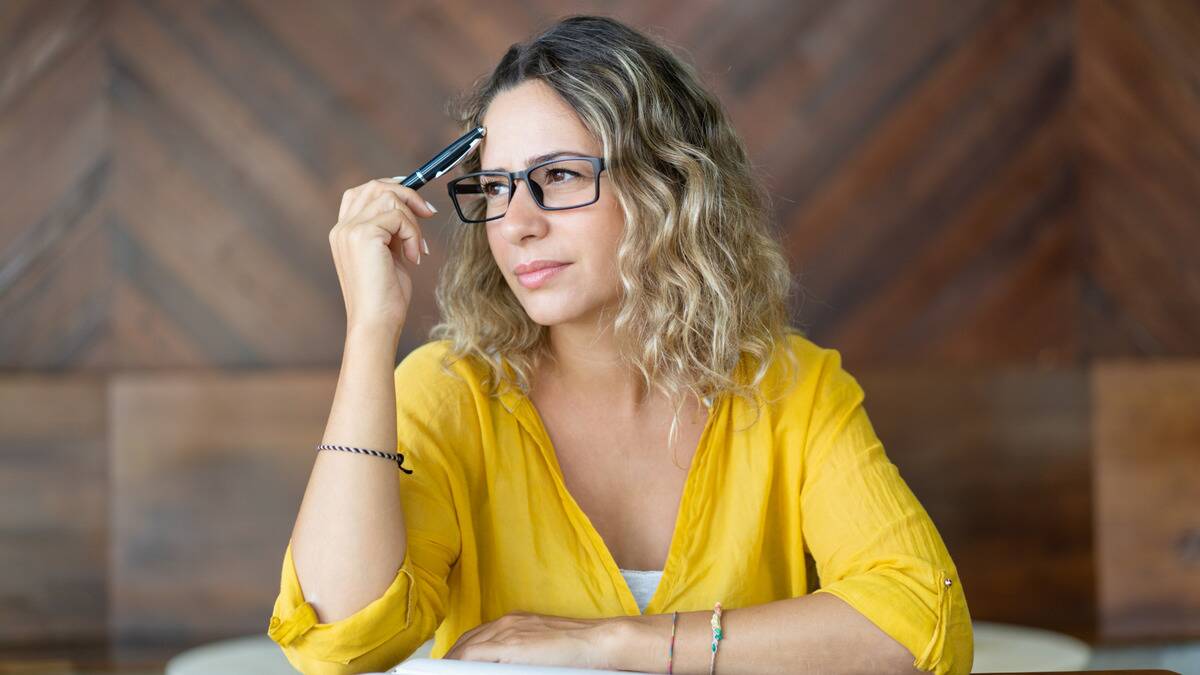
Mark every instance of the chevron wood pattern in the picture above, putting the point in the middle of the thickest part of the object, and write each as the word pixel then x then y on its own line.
pixel 55 161
pixel 1139 119
pixel 922 157
pixel 929 191
pixel 916 152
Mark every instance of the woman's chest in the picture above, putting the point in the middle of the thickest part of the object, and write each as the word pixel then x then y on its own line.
pixel 625 481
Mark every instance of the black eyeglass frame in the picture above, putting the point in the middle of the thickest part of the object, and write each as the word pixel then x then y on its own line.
pixel 598 165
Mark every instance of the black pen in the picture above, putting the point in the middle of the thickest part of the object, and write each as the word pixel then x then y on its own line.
pixel 444 160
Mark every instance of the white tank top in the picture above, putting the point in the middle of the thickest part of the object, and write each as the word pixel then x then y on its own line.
pixel 642 583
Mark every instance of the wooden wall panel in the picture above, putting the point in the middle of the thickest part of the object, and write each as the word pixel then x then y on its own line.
pixel 55 160
pixel 1000 460
pixel 1139 119
pixel 926 183
pixel 207 474
pixel 53 514
pixel 1147 485
pixel 221 228
pixel 919 155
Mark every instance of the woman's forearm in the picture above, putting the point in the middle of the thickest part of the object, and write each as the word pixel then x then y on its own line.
pixel 816 633
pixel 349 538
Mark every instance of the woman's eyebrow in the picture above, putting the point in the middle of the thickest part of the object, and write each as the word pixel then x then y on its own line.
pixel 543 157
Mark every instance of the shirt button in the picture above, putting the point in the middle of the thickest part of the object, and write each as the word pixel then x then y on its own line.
pixel 949 583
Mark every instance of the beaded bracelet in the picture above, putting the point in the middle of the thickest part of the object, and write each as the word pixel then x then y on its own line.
pixel 717 637
pixel 671 651
pixel 394 456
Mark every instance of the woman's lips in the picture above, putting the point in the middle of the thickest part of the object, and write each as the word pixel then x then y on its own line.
pixel 537 278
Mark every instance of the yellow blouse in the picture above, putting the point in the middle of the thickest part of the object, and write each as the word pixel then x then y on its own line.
pixel 492 528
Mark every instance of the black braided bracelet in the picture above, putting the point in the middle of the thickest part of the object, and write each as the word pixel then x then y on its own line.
pixel 394 456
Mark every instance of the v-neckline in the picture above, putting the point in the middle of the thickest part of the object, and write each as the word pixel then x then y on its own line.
pixel 671 564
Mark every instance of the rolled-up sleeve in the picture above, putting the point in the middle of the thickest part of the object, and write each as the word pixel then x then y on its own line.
pixel 375 638
pixel 874 545
pixel 394 625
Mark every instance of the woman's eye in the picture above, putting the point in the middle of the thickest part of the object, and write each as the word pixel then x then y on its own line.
pixel 564 172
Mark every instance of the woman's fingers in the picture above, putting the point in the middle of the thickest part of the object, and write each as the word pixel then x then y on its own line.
pixel 408 196
pixel 375 285
pixel 403 232
pixel 357 198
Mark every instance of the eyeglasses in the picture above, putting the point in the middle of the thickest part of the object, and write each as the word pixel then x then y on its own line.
pixel 556 185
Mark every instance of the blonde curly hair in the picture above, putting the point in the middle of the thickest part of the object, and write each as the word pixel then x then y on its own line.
pixel 704 282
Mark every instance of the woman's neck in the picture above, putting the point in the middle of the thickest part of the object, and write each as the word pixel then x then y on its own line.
pixel 585 365
pixel 586 368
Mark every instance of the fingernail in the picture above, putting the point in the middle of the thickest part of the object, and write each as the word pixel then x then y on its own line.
pixel 424 245
pixel 430 207
pixel 418 257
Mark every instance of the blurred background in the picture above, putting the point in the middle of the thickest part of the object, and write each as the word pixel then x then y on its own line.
pixel 992 208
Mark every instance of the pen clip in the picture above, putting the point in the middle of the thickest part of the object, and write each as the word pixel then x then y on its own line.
pixel 460 158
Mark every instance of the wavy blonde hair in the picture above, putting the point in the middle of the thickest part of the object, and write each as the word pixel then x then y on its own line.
pixel 704 282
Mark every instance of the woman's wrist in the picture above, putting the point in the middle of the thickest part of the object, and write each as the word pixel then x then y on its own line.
pixel 639 643
pixel 374 333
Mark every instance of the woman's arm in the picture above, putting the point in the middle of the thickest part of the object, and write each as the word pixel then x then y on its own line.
pixel 349 537
pixel 810 634
pixel 372 627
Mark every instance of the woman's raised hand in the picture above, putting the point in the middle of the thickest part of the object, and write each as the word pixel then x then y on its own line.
pixel 376 232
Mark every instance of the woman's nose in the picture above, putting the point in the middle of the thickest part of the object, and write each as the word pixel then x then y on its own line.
pixel 523 214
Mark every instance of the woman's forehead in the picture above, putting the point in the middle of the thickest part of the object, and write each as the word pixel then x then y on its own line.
pixel 521 150
pixel 527 122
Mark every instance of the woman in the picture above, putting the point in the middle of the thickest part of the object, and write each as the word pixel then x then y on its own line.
pixel 613 428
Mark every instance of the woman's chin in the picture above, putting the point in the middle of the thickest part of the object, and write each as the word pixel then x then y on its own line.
pixel 549 314
pixel 544 319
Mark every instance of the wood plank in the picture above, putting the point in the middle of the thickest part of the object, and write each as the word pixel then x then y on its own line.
pixel 999 458
pixel 53 511
pixel 1147 486
pixel 207 474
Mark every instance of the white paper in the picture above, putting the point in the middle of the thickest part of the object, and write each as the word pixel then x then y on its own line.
pixel 460 667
